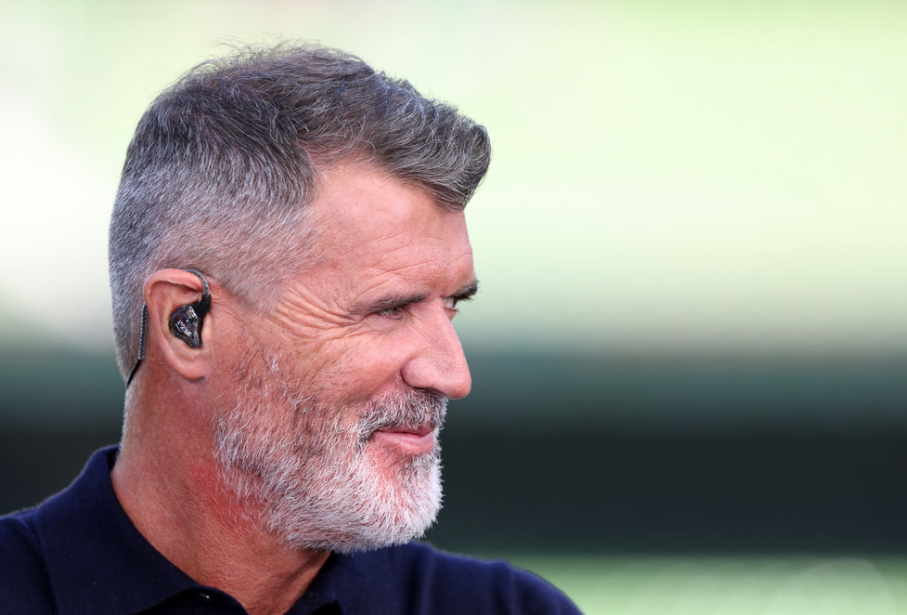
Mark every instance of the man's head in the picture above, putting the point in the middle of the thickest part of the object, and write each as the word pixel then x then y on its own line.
pixel 223 164
pixel 323 202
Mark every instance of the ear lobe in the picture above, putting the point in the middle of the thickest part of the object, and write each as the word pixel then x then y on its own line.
pixel 177 300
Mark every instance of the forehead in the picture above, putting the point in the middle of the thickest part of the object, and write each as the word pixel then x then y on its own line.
pixel 366 218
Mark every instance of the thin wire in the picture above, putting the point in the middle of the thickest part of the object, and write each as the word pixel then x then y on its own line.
pixel 141 343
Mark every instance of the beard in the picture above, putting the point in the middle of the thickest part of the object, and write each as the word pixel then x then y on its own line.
pixel 309 472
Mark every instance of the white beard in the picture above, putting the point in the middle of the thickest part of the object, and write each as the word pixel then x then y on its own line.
pixel 311 475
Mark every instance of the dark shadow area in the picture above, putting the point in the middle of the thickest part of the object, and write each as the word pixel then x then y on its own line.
pixel 570 453
pixel 59 389
pixel 592 492
pixel 36 463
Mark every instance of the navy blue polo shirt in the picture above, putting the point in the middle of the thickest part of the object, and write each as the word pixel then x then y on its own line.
pixel 78 553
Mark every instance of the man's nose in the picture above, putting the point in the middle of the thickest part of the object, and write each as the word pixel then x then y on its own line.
pixel 438 365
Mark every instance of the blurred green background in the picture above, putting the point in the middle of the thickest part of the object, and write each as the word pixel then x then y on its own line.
pixel 690 346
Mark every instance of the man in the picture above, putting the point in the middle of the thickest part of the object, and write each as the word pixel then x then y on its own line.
pixel 287 252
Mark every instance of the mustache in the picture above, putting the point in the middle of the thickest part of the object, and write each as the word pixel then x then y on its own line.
pixel 410 410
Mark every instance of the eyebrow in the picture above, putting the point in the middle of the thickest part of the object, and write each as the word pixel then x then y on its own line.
pixel 464 293
pixel 467 292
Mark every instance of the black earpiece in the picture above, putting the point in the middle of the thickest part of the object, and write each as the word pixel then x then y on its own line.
pixel 187 320
pixel 185 323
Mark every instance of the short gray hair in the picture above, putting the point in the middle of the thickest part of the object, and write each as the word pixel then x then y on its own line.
pixel 223 163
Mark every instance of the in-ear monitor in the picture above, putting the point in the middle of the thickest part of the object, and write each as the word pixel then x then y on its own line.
pixel 185 323
pixel 187 320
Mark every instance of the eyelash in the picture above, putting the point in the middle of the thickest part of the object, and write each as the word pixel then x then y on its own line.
pixel 395 313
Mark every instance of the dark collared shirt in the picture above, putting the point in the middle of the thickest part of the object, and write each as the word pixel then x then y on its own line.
pixel 78 553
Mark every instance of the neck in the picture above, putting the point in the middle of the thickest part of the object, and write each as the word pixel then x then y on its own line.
pixel 167 480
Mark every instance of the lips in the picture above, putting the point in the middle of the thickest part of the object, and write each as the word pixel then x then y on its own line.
pixel 407 422
pixel 412 440
pixel 414 431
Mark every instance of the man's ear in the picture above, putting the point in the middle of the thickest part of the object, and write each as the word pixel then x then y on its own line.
pixel 166 291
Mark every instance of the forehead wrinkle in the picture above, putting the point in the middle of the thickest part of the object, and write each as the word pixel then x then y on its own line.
pixel 427 265
pixel 424 279
pixel 395 251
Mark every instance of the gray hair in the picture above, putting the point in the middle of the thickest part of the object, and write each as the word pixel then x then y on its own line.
pixel 223 163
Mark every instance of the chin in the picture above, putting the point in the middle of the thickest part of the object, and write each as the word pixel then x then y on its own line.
pixel 377 506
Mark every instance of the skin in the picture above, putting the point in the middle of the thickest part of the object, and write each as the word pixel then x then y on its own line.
pixel 370 315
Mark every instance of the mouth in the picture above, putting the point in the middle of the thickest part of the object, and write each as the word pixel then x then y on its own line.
pixel 411 440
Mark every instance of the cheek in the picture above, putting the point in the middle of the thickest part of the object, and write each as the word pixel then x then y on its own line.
pixel 364 370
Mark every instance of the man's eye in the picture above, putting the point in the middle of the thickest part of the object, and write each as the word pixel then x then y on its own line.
pixel 392 312
pixel 450 303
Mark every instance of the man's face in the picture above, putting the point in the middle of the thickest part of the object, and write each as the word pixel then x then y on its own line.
pixel 341 390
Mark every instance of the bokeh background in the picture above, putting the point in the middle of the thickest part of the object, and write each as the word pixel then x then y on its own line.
pixel 690 346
